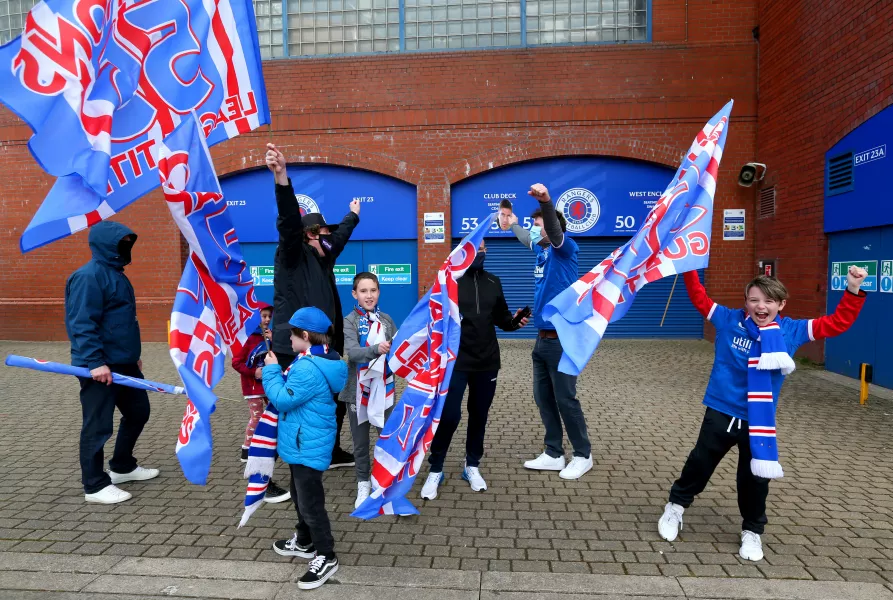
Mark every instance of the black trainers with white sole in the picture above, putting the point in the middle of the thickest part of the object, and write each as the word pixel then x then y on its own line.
pixel 320 569
pixel 291 547
pixel 276 494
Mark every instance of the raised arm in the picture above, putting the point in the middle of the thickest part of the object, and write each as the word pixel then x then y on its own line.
pixel 342 234
pixel 288 220
pixel 698 294
pixel 550 218
pixel 847 309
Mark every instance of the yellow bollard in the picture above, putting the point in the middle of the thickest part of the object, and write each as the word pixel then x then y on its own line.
pixel 864 378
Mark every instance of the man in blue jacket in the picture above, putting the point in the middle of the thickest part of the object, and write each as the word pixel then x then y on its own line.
pixel 100 318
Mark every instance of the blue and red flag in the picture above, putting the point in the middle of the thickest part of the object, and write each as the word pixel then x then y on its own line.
pixel 423 353
pixel 674 238
pixel 215 307
pixel 102 82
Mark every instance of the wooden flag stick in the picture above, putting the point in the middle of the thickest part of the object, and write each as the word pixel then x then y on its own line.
pixel 667 307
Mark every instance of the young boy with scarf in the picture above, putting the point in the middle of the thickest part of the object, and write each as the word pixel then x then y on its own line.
pixel 369 392
pixel 753 351
pixel 304 418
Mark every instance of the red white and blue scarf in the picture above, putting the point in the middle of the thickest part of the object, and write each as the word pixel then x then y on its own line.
pixel 262 451
pixel 768 353
pixel 375 380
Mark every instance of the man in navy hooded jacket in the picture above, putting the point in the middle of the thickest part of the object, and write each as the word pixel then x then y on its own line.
pixel 100 318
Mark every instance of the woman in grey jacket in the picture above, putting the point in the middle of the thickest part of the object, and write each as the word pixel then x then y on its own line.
pixel 367 340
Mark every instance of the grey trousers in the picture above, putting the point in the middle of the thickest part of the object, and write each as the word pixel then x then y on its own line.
pixel 360 434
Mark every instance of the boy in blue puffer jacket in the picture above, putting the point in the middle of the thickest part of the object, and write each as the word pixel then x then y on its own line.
pixel 305 437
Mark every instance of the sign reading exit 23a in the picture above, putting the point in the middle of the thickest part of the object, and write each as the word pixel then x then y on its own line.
pixel 839 271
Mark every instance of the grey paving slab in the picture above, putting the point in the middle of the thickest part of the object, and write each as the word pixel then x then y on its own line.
pixel 365 592
pixel 189 588
pixel 63 582
pixel 408 578
pixel 32 595
pixel 56 563
pixel 573 583
pixel 488 595
pixel 830 517
pixel 204 569
pixel 782 590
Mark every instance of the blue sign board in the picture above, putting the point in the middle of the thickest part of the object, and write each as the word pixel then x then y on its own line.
pixel 387 211
pixel 598 196
pixel 867 203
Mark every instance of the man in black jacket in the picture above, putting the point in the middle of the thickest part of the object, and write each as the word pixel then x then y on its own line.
pixel 482 306
pixel 304 273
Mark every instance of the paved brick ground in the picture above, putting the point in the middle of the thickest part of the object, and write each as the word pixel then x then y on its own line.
pixel 831 517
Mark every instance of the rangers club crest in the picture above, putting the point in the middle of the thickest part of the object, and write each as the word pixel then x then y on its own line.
pixel 307 204
pixel 581 209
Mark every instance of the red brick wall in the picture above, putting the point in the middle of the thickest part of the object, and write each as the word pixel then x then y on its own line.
pixel 433 119
pixel 825 68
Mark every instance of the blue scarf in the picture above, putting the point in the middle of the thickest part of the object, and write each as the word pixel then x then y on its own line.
pixel 768 353
pixel 262 451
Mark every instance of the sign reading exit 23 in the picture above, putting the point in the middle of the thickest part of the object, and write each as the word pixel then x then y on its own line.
pixel 839 271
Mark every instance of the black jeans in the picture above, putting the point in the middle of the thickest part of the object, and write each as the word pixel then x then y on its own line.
pixel 98 402
pixel 555 394
pixel 310 503
pixel 481 389
pixel 714 441
pixel 285 361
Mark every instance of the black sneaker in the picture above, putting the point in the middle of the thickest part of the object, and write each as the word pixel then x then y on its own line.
pixel 244 455
pixel 276 494
pixel 341 458
pixel 291 547
pixel 321 568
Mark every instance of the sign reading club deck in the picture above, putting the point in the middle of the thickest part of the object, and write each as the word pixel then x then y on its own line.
pixel 392 274
pixel 839 271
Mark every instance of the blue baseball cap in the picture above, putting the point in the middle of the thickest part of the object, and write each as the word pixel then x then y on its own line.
pixel 310 318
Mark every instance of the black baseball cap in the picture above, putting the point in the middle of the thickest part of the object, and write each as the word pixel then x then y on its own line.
pixel 311 219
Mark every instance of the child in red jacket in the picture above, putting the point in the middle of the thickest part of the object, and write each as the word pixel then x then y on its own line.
pixel 249 364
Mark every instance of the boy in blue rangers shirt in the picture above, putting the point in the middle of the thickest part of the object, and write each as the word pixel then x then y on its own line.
pixel 305 436
pixel 555 393
pixel 736 392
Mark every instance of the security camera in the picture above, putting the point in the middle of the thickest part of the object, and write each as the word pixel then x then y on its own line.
pixel 749 174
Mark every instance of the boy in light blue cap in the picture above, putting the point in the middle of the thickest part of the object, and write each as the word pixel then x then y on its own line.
pixel 304 397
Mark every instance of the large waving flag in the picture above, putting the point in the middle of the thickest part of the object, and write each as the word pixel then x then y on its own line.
pixel 215 307
pixel 423 353
pixel 674 238
pixel 102 82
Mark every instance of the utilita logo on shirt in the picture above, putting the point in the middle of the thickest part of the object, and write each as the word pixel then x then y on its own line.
pixel 742 344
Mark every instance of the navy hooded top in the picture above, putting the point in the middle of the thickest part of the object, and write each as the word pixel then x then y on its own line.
pixel 100 306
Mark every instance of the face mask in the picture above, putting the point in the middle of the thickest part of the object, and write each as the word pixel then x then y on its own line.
pixel 325 240
pixel 478 262
pixel 536 234
pixel 124 248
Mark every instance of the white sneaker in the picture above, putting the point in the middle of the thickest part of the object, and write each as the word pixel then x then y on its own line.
pixel 578 467
pixel 364 488
pixel 108 495
pixel 138 474
pixel 429 490
pixel 544 462
pixel 473 476
pixel 751 546
pixel 671 522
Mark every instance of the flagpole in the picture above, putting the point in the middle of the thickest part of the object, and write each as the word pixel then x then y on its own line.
pixel 667 307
